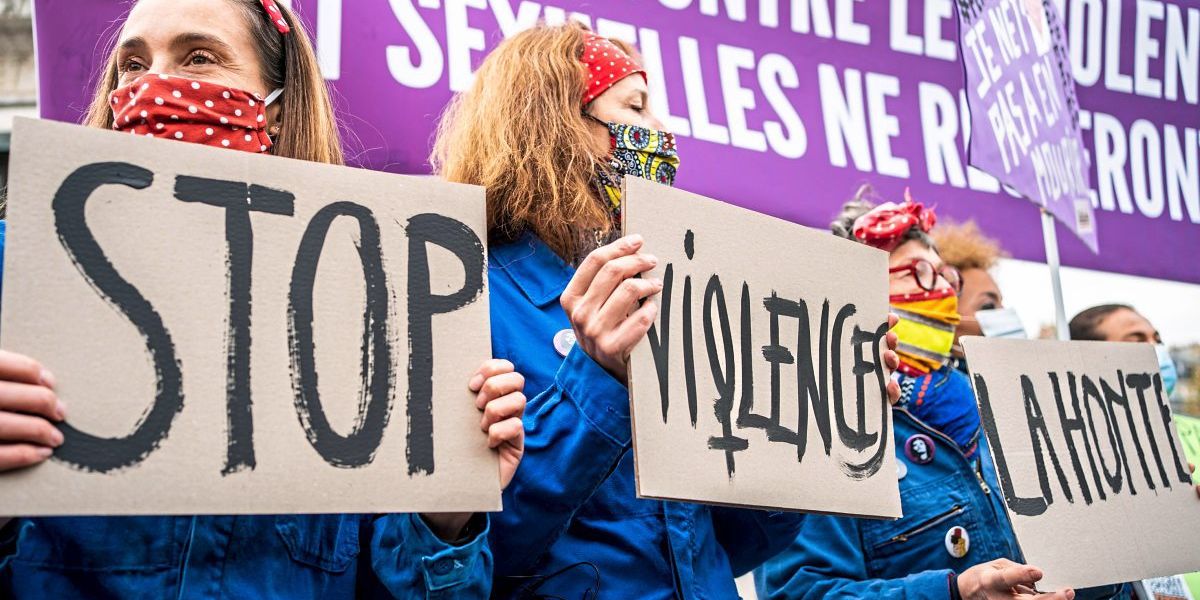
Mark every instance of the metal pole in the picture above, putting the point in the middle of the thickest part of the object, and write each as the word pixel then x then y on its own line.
pixel 1051 239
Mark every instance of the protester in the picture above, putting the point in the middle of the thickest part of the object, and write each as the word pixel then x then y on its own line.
pixel 954 540
pixel 965 248
pixel 1121 323
pixel 554 118
pixel 238 74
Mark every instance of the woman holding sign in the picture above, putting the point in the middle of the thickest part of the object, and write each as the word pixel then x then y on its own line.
pixel 556 116
pixel 954 540
pixel 236 74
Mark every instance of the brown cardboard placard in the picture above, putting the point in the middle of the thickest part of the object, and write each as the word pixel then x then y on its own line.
pixel 186 298
pixel 1088 457
pixel 759 320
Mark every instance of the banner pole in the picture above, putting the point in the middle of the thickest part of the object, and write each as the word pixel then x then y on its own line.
pixel 1051 238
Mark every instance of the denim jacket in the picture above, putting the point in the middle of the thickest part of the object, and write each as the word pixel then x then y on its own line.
pixel 941 489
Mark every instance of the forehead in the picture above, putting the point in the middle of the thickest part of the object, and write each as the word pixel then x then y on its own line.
pixel 160 21
pixel 978 281
pixel 630 84
pixel 1124 320
pixel 912 250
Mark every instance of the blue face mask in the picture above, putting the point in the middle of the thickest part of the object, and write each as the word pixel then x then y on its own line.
pixel 1166 367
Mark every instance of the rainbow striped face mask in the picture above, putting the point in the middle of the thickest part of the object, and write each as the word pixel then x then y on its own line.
pixel 926 329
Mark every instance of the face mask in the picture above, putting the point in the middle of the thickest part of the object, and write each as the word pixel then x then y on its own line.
pixel 639 152
pixel 1166 366
pixel 925 329
pixel 1000 323
pixel 177 108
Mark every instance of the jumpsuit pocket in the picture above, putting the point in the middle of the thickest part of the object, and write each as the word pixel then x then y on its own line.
pixel 127 544
pixel 326 542
pixel 918 539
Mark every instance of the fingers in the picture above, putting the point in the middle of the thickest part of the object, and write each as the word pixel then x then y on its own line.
pixel 22 369
pixel 1009 576
pixel 500 409
pixel 610 276
pixel 634 328
pixel 890 359
pixel 489 368
pixel 16 427
pixel 17 456
pixel 33 399
pixel 893 319
pixel 1191 468
pixel 893 391
pixel 582 280
pixel 498 386
pixel 625 299
pixel 1059 595
pixel 509 431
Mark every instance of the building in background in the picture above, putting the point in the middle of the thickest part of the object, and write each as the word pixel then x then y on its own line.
pixel 18 75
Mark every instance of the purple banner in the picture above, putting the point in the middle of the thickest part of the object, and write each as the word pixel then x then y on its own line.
pixel 781 106
pixel 1024 112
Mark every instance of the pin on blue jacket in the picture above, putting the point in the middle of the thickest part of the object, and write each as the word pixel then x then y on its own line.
pixel 572 521
pixel 954 518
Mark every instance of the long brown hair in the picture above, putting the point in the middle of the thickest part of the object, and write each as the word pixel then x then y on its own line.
pixel 520 132
pixel 308 130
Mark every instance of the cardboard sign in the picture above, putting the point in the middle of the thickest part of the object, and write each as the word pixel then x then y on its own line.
pixel 761 382
pixel 1092 470
pixel 236 333
pixel 1024 113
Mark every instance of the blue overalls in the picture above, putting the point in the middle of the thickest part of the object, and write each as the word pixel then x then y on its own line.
pixel 571 520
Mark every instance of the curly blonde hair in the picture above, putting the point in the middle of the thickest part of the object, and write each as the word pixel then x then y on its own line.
pixel 964 246
pixel 520 132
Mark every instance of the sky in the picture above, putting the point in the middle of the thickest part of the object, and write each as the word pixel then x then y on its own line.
pixel 1173 308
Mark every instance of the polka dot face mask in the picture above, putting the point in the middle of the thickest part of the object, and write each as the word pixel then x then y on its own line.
pixel 177 108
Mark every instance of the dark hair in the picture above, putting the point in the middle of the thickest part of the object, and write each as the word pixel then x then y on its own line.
pixel 863 201
pixel 1084 325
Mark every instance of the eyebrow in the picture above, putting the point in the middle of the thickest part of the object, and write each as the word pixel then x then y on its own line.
pixel 183 39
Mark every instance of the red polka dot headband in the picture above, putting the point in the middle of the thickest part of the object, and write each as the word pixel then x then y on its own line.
pixel 276 16
pixel 606 64
pixel 886 225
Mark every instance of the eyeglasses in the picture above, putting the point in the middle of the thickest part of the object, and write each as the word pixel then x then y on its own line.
pixel 926 274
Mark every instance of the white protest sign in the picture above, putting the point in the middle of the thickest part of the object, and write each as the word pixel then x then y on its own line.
pixel 761 382
pixel 238 333
pixel 1089 460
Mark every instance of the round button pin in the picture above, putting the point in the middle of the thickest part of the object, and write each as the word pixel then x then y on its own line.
pixel 563 341
pixel 958 542
pixel 919 448
pixel 901 469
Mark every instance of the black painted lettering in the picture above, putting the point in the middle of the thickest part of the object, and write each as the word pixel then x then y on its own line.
pixel 238 199
pixel 1140 382
pixel 1039 433
pixel 1070 426
pixel 84 450
pixel 724 377
pixel 1027 506
pixel 423 305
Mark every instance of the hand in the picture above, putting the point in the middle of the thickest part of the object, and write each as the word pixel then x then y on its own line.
pixel 28 410
pixel 1192 469
pixel 602 301
pixel 891 360
pixel 1005 579
pixel 498 393
pixel 498 388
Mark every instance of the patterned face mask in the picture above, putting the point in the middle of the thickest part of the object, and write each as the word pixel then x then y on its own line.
pixel 639 152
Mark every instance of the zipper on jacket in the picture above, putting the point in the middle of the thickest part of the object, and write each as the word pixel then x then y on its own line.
pixel 987 490
pixel 954 445
pixel 924 525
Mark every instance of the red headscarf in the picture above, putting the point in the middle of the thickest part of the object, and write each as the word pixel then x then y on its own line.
pixel 885 225
pixel 606 65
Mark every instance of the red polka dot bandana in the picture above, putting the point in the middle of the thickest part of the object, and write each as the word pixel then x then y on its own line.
pixel 885 225
pixel 276 16
pixel 192 111
pixel 606 65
